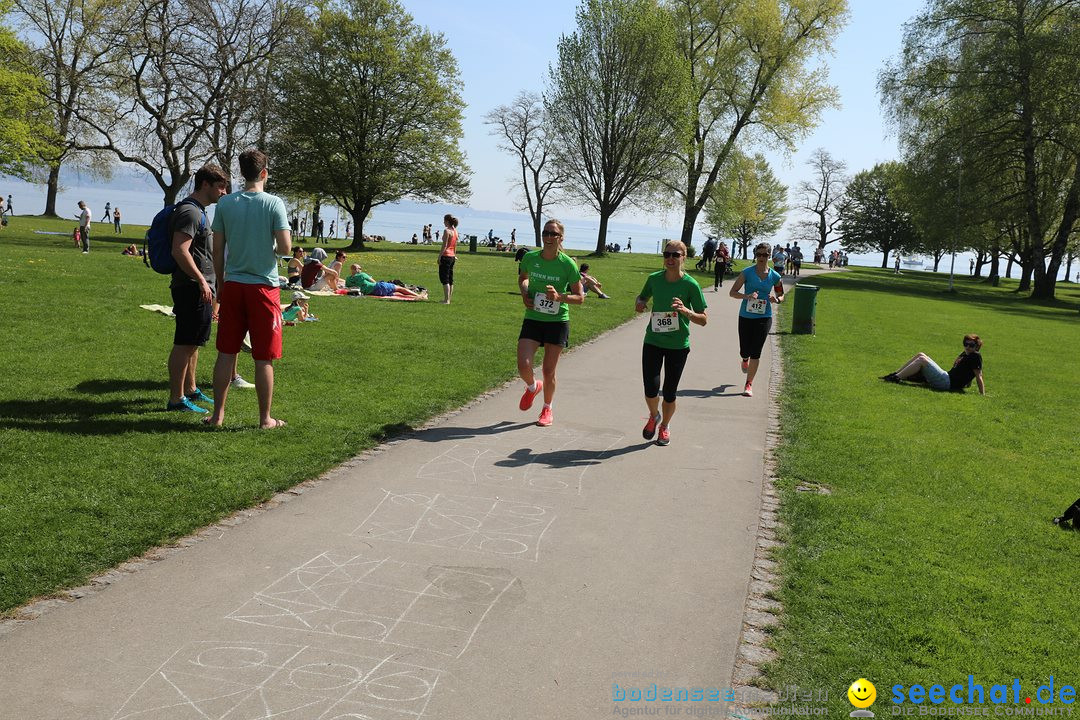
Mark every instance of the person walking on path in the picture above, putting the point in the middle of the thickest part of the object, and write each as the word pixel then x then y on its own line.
pixel 550 282
pixel 779 260
pixel 677 301
pixel 708 252
pixel 108 213
pixel 10 206
pixel 84 215
pixel 192 287
pixel 796 260
pixel 447 257
pixel 723 258
pixel 763 287
pixel 254 226
pixel 116 220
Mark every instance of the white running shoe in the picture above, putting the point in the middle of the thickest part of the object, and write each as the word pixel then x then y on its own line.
pixel 239 382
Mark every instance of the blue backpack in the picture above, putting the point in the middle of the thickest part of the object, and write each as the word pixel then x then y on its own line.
pixel 157 245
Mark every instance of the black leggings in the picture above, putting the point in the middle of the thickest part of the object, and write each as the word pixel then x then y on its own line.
pixel 652 359
pixel 718 273
pixel 752 335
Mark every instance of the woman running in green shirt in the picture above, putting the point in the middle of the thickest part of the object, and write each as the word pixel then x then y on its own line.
pixel 677 301
pixel 549 281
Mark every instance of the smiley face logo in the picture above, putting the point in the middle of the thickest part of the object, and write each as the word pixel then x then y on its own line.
pixel 862 693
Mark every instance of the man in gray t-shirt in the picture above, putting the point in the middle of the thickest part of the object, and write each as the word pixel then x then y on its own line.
pixel 192 286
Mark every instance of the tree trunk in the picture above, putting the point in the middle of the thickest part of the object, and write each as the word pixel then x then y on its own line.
pixel 1068 267
pixel 937 262
pixel 1008 266
pixel 689 220
pixel 358 216
pixel 1046 283
pixel 52 188
pixel 601 239
pixel 885 260
pixel 1025 278
pixel 995 260
pixel 537 227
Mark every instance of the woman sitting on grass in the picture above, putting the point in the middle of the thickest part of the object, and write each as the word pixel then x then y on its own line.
pixel 369 286
pixel 298 310
pixel 966 367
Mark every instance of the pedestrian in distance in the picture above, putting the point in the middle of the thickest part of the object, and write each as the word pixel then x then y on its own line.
pixel 550 282
pixel 796 260
pixel 117 228
pixel 321 226
pixel 723 259
pixel 10 206
pixel 448 256
pixel 758 287
pixel 108 213
pixel 779 260
pixel 193 286
pixel 677 301
pixel 966 367
pixel 332 230
pixel 253 226
pixel 85 216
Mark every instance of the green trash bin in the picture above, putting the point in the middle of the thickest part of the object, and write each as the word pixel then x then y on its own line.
pixel 804 315
pixel 472 243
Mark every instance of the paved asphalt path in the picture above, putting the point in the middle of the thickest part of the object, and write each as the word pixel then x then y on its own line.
pixel 483 568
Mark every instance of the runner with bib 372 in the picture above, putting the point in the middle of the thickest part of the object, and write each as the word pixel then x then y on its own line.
pixel 677 301
pixel 550 282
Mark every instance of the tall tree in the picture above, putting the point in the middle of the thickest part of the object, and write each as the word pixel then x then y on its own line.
pixel 524 132
pixel 748 202
pixel 170 73
pixel 74 41
pixel 617 89
pixel 998 79
pixel 872 217
pixel 821 199
pixel 24 132
pixel 749 64
pixel 371 111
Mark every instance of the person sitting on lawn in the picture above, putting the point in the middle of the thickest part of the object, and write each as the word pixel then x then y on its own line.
pixel 296 266
pixel 588 282
pixel 298 310
pixel 315 276
pixel 966 367
pixel 369 286
pixel 131 250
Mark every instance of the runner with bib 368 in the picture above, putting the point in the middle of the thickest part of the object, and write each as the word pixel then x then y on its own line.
pixel 677 301
pixel 550 282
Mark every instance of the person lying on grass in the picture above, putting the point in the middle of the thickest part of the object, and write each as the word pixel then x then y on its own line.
pixel 966 367
pixel 369 286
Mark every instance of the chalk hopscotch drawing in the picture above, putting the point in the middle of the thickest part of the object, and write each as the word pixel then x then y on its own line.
pixel 264 681
pixel 476 524
pixel 382 600
pixel 558 463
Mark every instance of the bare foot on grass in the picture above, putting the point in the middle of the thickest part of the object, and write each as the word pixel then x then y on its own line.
pixel 273 424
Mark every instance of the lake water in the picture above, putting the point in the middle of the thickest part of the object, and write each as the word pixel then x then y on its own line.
pixel 397 223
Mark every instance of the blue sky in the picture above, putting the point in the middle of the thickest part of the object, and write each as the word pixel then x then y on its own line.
pixel 505 47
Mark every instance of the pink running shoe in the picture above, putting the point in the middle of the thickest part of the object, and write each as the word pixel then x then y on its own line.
pixel 745 366
pixel 527 399
pixel 748 391
pixel 650 427
pixel 545 417
pixel 665 436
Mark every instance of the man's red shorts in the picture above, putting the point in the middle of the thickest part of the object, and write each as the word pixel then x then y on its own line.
pixel 254 309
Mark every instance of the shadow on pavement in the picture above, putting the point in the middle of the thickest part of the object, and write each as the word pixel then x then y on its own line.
pixel 562 459
pixel 718 391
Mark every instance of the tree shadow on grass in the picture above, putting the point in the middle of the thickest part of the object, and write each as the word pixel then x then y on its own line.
pixel 80 416
pixel 566 459
pixel 104 387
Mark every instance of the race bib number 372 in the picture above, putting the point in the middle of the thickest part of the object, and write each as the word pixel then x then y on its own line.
pixel 542 304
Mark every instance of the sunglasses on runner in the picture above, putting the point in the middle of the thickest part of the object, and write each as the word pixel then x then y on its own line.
pixel 551 233
pixel 672 254
pixel 764 255
pixel 970 343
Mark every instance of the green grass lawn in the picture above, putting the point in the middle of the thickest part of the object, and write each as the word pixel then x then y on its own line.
pixel 94 471
pixel 934 556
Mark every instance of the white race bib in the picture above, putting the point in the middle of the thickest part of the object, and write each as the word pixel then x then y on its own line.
pixel 543 305
pixel 665 322
pixel 758 306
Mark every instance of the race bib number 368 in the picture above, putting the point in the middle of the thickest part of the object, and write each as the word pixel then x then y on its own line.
pixel 542 304
pixel 665 322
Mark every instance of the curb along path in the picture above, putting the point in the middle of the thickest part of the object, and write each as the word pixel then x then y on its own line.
pixel 484 567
